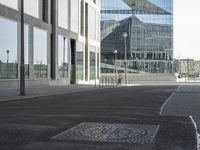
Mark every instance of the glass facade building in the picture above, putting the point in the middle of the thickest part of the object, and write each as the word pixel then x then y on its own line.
pixel 149 26
pixel 58 36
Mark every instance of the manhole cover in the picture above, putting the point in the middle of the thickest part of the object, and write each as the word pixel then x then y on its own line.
pixel 105 132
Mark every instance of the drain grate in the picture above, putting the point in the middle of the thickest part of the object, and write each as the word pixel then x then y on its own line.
pixel 106 132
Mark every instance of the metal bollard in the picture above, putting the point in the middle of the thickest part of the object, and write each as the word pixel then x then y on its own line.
pixel 99 82
pixel 112 82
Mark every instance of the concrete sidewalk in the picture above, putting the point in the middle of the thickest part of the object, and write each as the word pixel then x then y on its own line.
pixel 45 90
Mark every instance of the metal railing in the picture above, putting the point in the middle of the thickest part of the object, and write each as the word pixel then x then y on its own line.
pixel 108 82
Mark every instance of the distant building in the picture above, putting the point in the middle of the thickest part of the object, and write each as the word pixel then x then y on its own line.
pixel 187 67
pixel 62 41
pixel 149 25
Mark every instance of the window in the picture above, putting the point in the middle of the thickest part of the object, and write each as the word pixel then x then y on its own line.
pixel 79 59
pixel 62 56
pixel 10 3
pixel 149 32
pixel 40 53
pixel 92 23
pixel 26 50
pixel 31 7
pixel 45 10
pixel 8 49
pixel 63 14
pixel 92 62
pixel 74 15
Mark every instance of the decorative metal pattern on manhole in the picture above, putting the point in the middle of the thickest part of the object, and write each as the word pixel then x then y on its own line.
pixel 105 132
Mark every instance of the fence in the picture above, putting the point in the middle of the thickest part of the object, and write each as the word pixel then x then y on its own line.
pixel 134 78
pixel 108 82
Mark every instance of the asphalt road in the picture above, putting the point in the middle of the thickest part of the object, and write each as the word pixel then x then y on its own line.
pixel 30 124
pixel 185 102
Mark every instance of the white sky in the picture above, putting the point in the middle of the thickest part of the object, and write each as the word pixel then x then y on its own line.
pixel 187 29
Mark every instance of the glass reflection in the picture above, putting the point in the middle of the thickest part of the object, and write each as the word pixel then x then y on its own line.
pixel 8 49
pixel 62 57
pixel 92 62
pixel 26 50
pixel 40 53
pixel 79 57
pixel 149 25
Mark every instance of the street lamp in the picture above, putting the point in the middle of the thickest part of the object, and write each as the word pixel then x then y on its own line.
pixel 125 57
pixel 105 61
pixel 137 66
pixel 115 52
pixel 7 61
pixel 22 71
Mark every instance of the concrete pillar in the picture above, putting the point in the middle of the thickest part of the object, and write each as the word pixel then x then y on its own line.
pixel 54 42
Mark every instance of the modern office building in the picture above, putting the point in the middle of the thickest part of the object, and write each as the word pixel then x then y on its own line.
pixel 62 41
pixel 187 67
pixel 149 28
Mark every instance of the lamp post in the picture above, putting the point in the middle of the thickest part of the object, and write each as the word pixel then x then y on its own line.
pixel 7 61
pixel 125 57
pixel 137 66
pixel 105 61
pixel 115 52
pixel 22 76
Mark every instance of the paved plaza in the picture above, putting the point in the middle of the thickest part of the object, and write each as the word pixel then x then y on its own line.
pixel 7 94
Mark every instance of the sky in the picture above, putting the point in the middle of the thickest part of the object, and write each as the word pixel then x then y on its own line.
pixel 187 29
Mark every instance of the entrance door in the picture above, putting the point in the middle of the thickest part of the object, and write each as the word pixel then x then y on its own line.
pixel 73 61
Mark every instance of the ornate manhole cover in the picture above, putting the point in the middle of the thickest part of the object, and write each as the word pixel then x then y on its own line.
pixel 105 132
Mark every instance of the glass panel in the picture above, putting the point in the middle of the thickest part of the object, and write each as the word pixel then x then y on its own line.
pixel 40 53
pixel 62 57
pixel 92 62
pixel 26 50
pixel 79 57
pixel 74 15
pixel 63 15
pixel 10 3
pixel 92 23
pixel 31 7
pixel 8 49
pixel 149 25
